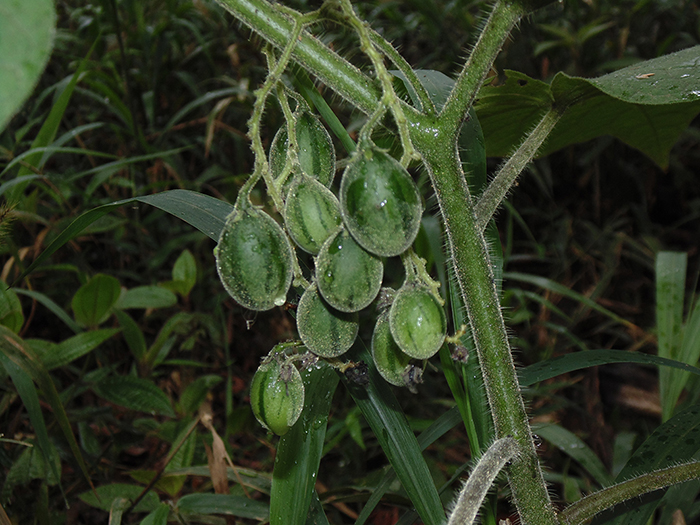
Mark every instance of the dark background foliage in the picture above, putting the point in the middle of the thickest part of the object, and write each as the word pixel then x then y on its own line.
pixel 177 76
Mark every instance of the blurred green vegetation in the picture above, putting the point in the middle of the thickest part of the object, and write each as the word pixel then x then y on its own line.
pixel 161 102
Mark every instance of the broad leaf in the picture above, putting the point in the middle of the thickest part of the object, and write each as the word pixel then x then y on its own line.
pixel 11 314
pixel 674 442
pixel 134 393
pixel 146 297
pixel 58 355
pixel 27 29
pixel 94 300
pixel 106 494
pixel 646 106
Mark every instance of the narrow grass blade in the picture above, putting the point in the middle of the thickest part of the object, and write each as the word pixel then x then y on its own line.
pixel 578 360
pixel 560 289
pixel 316 515
pixel 225 504
pixel 30 398
pixel 75 347
pixel 303 83
pixel 670 291
pixel 574 447
pixel 48 130
pixel 52 306
pixel 299 450
pixel 437 429
pixel 388 422
pixel 21 355
pixel 205 213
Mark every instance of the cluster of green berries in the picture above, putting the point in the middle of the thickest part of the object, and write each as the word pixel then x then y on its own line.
pixel 376 214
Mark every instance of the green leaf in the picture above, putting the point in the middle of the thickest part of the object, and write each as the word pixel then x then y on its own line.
pixel 560 289
pixel 646 106
pixel 585 359
pixel 30 398
pixel 437 429
pixel 94 300
pixel 158 517
pixel 134 393
pixel 225 504
pixel 388 422
pixel 13 349
pixel 670 292
pixel 133 335
pixel 672 443
pixel 74 347
pixel 146 297
pixel 27 29
pixel 185 271
pixel 570 444
pixel 196 392
pixel 300 449
pixel 11 314
pixel 108 493
pixel 205 213
pixel 52 306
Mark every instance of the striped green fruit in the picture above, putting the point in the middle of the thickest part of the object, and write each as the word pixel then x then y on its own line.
pixel 277 396
pixel 324 330
pixel 380 203
pixel 390 361
pixel 417 321
pixel 347 276
pixel 311 213
pixel 316 152
pixel 254 259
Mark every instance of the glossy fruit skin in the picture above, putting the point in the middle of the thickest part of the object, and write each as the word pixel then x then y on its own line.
pixel 347 276
pixel 380 203
pixel 277 402
pixel 324 330
pixel 390 361
pixel 417 321
pixel 311 213
pixel 316 152
pixel 254 259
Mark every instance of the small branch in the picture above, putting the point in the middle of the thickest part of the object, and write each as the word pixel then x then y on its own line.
pixel 400 63
pixel 503 18
pixel 584 509
pixel 499 187
pixel 389 97
pixel 481 479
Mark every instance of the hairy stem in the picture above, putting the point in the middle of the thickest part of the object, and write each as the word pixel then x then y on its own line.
pixel 475 278
pixel 584 509
pixel 504 16
pixel 504 179
pixel 481 479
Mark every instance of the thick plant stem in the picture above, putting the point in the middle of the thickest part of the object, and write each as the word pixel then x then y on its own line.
pixel 333 70
pixel 476 283
pixel 584 509
pixel 504 179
